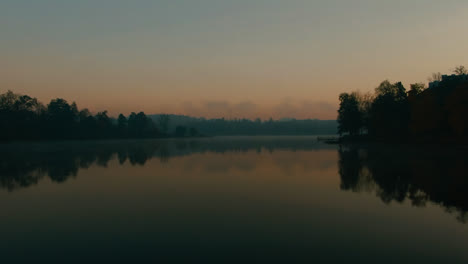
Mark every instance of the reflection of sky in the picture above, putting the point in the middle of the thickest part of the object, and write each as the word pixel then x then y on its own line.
pixel 273 204
pixel 187 56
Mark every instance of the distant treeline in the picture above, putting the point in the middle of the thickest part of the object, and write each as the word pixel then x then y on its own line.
pixel 24 117
pixel 247 127
pixel 435 113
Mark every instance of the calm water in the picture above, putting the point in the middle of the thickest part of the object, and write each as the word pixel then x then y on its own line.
pixel 242 199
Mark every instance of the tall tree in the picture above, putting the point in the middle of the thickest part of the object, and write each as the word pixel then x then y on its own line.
pixel 460 70
pixel 122 125
pixel 389 114
pixel 164 120
pixel 61 118
pixel 436 76
pixel 350 118
pixel 416 88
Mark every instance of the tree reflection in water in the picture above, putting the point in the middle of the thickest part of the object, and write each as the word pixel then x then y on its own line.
pixel 25 164
pixel 395 174
pixel 418 174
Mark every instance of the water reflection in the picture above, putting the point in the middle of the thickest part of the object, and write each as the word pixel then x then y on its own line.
pixel 229 199
pixel 25 164
pixel 394 174
pixel 417 174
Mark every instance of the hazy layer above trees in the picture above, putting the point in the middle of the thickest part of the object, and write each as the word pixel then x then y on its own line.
pixel 225 127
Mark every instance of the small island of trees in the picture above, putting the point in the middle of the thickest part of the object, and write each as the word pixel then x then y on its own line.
pixel 437 113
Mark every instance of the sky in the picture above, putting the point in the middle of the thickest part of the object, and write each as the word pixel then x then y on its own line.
pixel 224 58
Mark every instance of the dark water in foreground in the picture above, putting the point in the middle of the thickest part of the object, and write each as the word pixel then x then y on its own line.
pixel 263 200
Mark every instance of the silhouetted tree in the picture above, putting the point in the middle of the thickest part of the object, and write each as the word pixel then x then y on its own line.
pixel 163 121
pixel 104 124
pixel 20 116
pixel 193 132
pixel 180 131
pixel 438 113
pixel 350 118
pixel 122 126
pixel 139 125
pixel 389 114
pixel 23 117
pixel 88 124
pixel 416 88
pixel 61 118
pixel 460 70
pixel 436 76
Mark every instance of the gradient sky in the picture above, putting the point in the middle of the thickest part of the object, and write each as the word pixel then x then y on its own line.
pixel 231 58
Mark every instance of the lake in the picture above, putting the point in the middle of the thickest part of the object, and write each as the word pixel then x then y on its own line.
pixel 232 199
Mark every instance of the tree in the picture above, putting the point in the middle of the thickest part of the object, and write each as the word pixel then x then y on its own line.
pixel 180 131
pixel 87 124
pixel 104 124
pixel 61 118
pixel 389 114
pixel 193 132
pixel 365 104
pixel 59 110
pixel 164 120
pixel 83 115
pixel 460 70
pixel 416 88
pixel 20 116
pixel 350 119
pixel 7 100
pixel 436 76
pixel 139 125
pixel 24 117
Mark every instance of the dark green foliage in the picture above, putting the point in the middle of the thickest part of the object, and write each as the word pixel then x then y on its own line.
pixel 247 127
pixel 416 88
pixel 180 131
pixel 350 118
pixel 20 116
pixel 23 117
pixel 439 113
pixel 193 132
pixel 139 125
pixel 122 125
pixel 389 113
pixel 164 120
pixel 384 116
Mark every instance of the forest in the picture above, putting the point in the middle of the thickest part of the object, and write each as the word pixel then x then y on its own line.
pixel 25 118
pixel 434 113
pixel 248 127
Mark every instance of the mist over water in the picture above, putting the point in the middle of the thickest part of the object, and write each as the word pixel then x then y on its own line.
pixel 231 199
